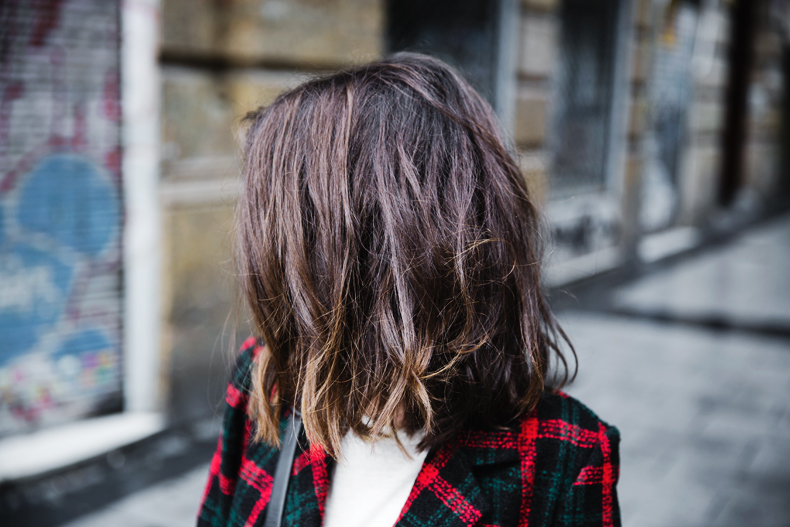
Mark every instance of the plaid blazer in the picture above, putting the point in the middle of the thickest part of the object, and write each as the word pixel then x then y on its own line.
pixel 558 467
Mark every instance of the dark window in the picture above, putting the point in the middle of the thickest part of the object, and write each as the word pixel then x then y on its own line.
pixel 463 33
pixel 584 83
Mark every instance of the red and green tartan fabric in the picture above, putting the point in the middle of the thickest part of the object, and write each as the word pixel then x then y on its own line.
pixel 559 467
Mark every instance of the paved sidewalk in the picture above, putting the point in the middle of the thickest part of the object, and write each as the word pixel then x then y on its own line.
pixel 172 503
pixel 745 283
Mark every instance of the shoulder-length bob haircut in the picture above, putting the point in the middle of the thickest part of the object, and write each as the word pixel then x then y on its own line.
pixel 388 249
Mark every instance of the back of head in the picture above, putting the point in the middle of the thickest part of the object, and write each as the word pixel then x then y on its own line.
pixel 388 250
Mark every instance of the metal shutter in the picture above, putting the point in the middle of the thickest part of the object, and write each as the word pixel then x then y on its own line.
pixel 60 212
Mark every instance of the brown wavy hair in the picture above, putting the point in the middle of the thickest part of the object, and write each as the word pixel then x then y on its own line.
pixel 389 252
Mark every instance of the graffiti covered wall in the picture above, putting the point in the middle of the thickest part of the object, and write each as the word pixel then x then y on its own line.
pixel 60 212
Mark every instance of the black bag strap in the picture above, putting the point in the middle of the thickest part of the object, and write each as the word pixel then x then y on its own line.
pixel 274 513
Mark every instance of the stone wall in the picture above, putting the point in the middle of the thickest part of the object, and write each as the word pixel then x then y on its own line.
pixel 293 33
pixel 220 60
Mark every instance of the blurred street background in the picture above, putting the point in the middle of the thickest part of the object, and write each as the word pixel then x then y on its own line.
pixel 654 133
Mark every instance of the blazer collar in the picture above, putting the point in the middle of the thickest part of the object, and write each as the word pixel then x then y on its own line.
pixel 446 492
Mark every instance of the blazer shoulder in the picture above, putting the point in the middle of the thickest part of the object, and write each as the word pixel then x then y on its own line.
pixel 558 405
pixel 559 464
pixel 577 464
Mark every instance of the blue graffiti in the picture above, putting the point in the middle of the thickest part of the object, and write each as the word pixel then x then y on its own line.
pixel 66 198
pixel 90 355
pixel 89 341
pixel 35 287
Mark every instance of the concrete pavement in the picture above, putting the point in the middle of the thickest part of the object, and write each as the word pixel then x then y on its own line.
pixel 743 284
pixel 172 503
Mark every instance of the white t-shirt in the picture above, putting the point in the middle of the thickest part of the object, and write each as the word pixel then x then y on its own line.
pixel 372 481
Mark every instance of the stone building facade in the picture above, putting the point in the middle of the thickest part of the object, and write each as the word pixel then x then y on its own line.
pixel 219 61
